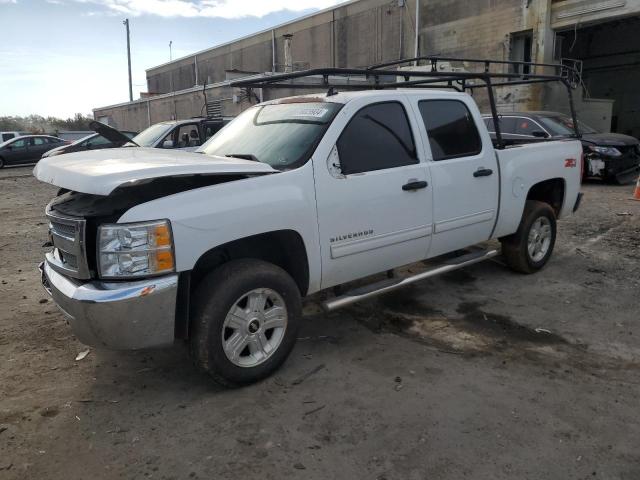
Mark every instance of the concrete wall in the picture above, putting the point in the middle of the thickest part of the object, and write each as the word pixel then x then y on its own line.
pixel 365 32
pixel 356 34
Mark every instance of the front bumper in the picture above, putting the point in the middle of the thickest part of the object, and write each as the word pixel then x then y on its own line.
pixel 621 169
pixel 116 315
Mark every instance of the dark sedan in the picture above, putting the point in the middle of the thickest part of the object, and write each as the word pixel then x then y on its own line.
pixel 610 156
pixel 94 141
pixel 27 149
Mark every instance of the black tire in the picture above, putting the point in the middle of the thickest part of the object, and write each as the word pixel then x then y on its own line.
pixel 515 248
pixel 217 293
pixel 1 162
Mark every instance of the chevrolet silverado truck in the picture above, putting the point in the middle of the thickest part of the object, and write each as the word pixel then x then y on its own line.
pixel 294 196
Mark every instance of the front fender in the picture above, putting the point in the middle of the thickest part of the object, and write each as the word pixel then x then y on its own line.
pixel 208 217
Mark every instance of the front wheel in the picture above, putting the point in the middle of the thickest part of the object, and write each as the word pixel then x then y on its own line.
pixel 529 249
pixel 247 314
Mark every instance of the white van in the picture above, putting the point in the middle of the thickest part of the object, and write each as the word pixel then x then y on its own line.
pixel 4 136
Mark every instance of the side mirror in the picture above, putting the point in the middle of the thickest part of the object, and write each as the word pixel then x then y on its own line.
pixel 539 134
pixel 167 144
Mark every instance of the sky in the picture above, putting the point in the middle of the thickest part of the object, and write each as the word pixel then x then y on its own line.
pixel 61 57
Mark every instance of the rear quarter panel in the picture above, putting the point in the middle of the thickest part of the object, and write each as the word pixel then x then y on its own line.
pixel 524 166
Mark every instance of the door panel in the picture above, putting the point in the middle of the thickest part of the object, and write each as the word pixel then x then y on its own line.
pixel 464 171
pixel 367 222
pixel 18 152
pixel 37 147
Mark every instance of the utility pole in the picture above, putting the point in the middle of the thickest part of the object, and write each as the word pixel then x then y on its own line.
pixel 417 41
pixel 170 42
pixel 126 24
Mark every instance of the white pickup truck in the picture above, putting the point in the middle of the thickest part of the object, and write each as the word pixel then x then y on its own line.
pixel 294 196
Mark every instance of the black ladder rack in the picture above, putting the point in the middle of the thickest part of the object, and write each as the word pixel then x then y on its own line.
pixel 381 77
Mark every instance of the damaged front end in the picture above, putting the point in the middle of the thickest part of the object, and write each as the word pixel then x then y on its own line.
pixel 619 163
pixel 117 283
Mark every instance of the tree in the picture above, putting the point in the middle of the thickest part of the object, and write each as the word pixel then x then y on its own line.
pixel 40 124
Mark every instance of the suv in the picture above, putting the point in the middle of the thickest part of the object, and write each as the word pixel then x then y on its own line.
pixel 609 156
pixel 188 134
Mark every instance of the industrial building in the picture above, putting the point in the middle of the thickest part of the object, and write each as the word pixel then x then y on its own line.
pixel 599 37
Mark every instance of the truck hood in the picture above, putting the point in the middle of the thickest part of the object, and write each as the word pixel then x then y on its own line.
pixel 609 139
pixel 100 172
pixel 110 133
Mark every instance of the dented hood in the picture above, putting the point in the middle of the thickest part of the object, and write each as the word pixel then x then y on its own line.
pixel 100 172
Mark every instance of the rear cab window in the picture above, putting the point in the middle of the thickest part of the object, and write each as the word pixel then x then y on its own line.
pixel 451 129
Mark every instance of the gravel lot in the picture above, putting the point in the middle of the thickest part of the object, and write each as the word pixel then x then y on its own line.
pixel 447 380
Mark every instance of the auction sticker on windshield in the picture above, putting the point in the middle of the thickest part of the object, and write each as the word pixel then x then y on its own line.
pixel 312 112
pixel 316 113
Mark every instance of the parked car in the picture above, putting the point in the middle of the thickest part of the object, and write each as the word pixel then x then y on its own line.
pixel 295 196
pixel 94 141
pixel 4 136
pixel 610 156
pixel 186 134
pixel 27 149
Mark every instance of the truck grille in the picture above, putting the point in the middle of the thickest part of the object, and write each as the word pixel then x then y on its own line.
pixel 67 236
pixel 62 229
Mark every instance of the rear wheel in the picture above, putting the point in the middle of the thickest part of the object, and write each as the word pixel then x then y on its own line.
pixel 1 162
pixel 246 321
pixel 529 249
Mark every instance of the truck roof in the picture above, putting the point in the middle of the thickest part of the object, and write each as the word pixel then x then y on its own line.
pixel 346 97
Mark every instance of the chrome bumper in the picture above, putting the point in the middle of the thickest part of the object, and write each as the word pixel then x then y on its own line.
pixel 116 315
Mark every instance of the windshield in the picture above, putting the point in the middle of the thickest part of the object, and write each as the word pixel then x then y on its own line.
pixel 282 135
pixel 562 125
pixel 84 139
pixel 149 136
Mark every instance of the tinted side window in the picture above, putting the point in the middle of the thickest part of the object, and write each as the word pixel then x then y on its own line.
pixel 508 124
pixel 377 137
pixel 37 141
pixel 488 122
pixel 451 129
pixel 188 136
pixel 525 126
pixel 210 129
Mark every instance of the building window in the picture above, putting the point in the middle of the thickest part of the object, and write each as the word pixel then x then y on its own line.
pixel 520 46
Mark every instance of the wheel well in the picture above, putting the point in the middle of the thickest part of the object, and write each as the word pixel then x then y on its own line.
pixel 549 191
pixel 284 248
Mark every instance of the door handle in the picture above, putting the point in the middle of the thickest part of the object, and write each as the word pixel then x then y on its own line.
pixel 414 185
pixel 483 172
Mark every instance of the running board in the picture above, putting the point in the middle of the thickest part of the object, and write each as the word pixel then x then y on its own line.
pixel 391 284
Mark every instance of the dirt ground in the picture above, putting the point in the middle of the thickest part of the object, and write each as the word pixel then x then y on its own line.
pixel 482 374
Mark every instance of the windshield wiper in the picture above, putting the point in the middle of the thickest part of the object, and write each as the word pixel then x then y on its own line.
pixel 243 156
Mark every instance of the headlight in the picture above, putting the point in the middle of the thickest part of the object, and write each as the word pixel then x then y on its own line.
pixel 135 249
pixel 607 151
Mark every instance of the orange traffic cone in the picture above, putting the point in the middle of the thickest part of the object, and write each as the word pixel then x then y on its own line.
pixel 636 192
